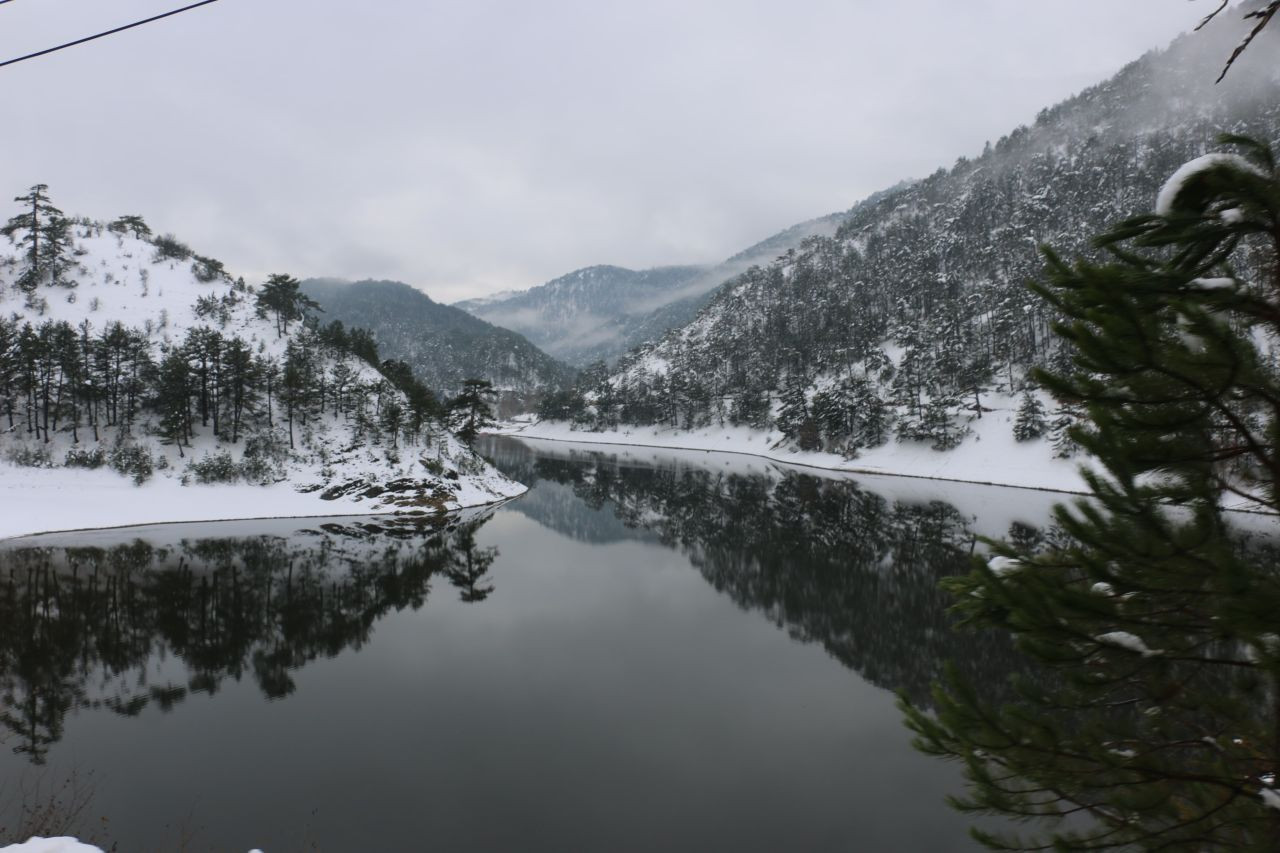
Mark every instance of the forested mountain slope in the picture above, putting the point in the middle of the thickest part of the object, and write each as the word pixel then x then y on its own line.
pixel 598 313
pixel 915 314
pixel 120 350
pixel 442 344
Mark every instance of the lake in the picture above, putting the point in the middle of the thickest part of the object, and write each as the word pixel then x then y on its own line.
pixel 649 650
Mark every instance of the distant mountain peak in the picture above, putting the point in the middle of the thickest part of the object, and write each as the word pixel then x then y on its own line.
pixel 599 312
pixel 443 344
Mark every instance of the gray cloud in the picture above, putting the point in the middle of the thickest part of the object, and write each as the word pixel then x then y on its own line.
pixel 470 147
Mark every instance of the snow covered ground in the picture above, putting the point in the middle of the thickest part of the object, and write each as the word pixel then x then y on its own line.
pixel 56 845
pixel 334 469
pixel 990 509
pixel 50 845
pixel 38 500
pixel 990 455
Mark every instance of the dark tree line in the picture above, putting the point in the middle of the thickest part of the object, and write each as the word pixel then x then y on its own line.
pixel 82 380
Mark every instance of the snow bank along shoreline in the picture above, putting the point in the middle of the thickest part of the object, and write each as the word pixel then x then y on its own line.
pixel 989 458
pixel 58 500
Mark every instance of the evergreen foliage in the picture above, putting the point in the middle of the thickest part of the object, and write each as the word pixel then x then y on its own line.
pixel 170 248
pixel 130 224
pixel 1064 417
pixel 443 345
pixel 561 405
pixel 282 298
pixel 1157 725
pixel 1030 422
pixel 42 232
pixel 57 378
pixel 207 269
pixel 88 382
pixel 470 412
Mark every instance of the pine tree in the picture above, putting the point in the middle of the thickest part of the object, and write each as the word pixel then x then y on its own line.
pixel 130 224
pixel 1158 725
pixel 795 419
pixel 281 297
pixel 874 418
pixel 240 376
pixel 43 233
pixel 470 412
pixel 10 359
pixel 55 250
pixel 939 423
pixel 173 399
pixel 393 420
pixel 1065 416
pixel 751 407
pixel 1030 421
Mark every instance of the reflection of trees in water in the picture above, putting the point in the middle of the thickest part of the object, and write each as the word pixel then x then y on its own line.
pixel 85 627
pixel 468 567
pixel 554 504
pixel 823 558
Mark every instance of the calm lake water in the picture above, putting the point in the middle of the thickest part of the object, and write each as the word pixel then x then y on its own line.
pixel 650 650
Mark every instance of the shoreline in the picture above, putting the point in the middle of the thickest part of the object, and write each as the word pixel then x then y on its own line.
pixel 44 501
pixel 868 472
pixel 494 504
pixel 813 461
pixel 988 456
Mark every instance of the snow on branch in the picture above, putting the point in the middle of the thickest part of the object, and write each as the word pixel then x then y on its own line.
pixel 1167 199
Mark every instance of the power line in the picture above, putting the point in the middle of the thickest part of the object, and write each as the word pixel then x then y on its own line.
pixel 102 34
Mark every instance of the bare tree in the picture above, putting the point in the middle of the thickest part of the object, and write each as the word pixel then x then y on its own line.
pixel 1263 15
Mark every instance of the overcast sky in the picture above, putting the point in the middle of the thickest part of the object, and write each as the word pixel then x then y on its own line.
pixel 480 145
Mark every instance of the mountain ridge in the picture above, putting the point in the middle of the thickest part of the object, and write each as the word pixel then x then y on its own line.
pixel 444 345
pixel 598 312
pixel 901 323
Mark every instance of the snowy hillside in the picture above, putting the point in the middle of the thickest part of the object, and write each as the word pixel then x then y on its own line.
pixel 598 313
pixel 900 334
pixel 126 358
pixel 444 345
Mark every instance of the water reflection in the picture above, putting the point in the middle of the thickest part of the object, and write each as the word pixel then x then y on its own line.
pixel 822 557
pixel 825 559
pixel 85 626
pixel 620 671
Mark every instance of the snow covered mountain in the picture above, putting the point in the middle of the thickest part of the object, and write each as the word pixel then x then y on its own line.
pixel 913 318
pixel 126 357
pixel 597 313
pixel 444 345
